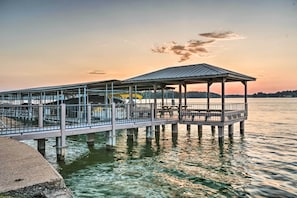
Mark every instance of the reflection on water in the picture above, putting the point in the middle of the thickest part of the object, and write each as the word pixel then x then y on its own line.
pixel 263 163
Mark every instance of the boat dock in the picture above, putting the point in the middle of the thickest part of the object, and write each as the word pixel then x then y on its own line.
pixel 89 108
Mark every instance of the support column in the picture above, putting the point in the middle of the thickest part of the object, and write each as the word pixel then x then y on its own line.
pixel 90 139
pixel 185 95
pixel 150 132
pixel 60 149
pixel 61 141
pixel 223 100
pixel 40 142
pixel 213 130
pixel 111 135
pixel 41 146
pixel 89 113
pixel 230 130
pixel 155 101
pixel 180 102
pixel 208 94
pixel 174 128
pixel 221 131
pixel 242 127
pixel 157 128
pixel 130 135
pixel 40 115
pixel 135 133
pixel 200 131
pixel 188 128
pixel 245 98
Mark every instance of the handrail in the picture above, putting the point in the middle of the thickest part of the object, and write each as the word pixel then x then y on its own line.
pixel 26 118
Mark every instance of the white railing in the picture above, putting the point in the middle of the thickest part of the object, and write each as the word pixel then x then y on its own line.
pixel 31 118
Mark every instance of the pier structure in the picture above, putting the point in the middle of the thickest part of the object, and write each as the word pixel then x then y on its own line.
pixel 89 108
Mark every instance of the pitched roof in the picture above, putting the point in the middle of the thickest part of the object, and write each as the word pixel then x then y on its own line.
pixel 189 73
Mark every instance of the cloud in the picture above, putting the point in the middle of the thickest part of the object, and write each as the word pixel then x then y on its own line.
pixel 97 72
pixel 195 46
pixel 227 35
pixel 186 50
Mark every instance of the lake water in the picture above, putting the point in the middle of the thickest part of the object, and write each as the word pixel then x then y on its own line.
pixel 262 163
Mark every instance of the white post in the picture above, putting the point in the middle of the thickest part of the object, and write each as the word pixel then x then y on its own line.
pixel 111 139
pixel 89 112
pixel 61 141
pixel 40 115
pixel 223 101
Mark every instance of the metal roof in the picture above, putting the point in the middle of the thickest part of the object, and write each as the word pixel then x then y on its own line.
pixel 66 88
pixel 197 73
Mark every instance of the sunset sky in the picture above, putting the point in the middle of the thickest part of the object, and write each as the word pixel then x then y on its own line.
pixel 61 42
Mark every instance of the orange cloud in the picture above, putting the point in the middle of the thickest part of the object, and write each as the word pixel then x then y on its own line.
pixel 194 46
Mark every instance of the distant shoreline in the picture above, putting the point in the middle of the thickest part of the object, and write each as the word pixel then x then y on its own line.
pixel 197 94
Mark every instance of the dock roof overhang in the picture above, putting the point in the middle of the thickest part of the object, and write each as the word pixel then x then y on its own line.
pixel 189 74
pixel 52 90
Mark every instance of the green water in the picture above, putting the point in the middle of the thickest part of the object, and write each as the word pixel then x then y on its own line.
pixel 263 163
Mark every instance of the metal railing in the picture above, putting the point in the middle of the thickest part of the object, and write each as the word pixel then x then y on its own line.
pixel 213 112
pixel 34 118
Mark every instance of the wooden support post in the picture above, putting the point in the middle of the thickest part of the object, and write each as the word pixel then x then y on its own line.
pixel 135 133
pixel 188 128
pixel 200 131
pixel 90 139
pixel 213 130
pixel 130 135
pixel 41 146
pixel 230 130
pixel 221 131
pixel 157 128
pixel 150 132
pixel 242 127
pixel 174 128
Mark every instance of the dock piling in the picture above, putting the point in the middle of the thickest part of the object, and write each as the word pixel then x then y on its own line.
pixel 174 128
pixel 242 128
pixel 41 146
pixel 188 128
pixel 230 130
pixel 200 131
pixel 221 131
pixel 213 130
pixel 90 139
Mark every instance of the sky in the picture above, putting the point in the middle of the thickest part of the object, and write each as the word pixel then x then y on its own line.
pixel 51 42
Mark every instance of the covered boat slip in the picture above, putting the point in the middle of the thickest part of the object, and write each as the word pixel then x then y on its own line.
pixel 96 103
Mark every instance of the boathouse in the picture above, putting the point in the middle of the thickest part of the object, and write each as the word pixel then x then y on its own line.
pixel 88 108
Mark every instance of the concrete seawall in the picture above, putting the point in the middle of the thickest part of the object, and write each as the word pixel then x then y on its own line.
pixel 25 173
